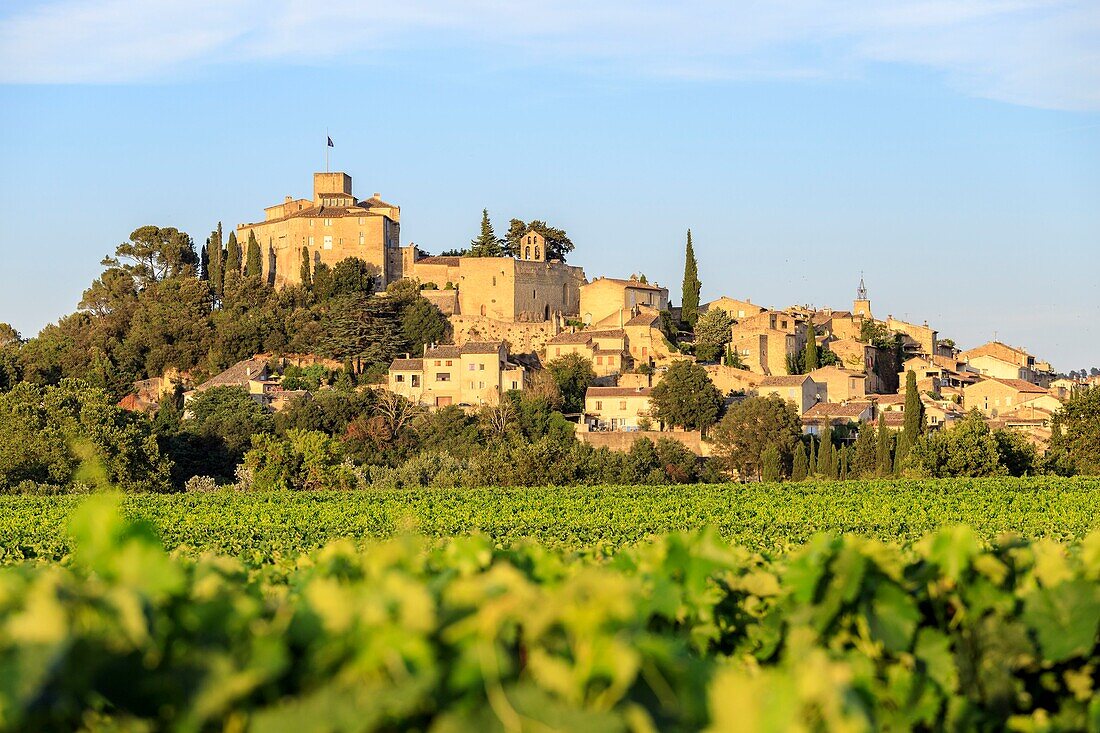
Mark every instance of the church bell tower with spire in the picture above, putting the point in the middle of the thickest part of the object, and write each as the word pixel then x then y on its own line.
pixel 861 306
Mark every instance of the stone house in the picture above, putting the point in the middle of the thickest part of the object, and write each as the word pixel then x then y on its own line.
pixel 735 309
pixel 607 350
pixel 837 414
pixel 607 297
pixel 765 340
pixel 993 396
pixel 1002 361
pixel 798 389
pixel 330 227
pixel 839 385
pixel 472 374
pixel 617 408
pixel 501 288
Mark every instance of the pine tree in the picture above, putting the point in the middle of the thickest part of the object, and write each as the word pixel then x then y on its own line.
pixel 304 274
pixel 689 308
pixel 883 458
pixel 801 467
pixel 810 359
pixel 486 244
pixel 233 255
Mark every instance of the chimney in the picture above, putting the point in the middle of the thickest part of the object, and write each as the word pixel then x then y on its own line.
pixel 288 199
pixel 377 195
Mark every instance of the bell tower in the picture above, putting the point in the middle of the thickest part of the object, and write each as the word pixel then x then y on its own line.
pixel 532 247
pixel 861 306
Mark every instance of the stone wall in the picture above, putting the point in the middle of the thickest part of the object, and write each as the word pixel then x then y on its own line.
pixel 622 441
pixel 522 338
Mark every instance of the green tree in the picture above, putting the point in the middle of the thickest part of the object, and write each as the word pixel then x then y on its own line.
pixel 352 276
pixel 864 461
pixel 486 244
pixel 254 263
pixel 686 397
pixel 1075 434
pixel 1016 453
pixel 155 253
pixel 171 327
pixel 884 451
pixel 809 354
pixel 689 309
pixel 364 328
pixel 304 273
pixel 573 375
pixel 750 427
pixel 733 358
pixel 204 264
pixel 769 464
pixel 558 243
pixel 966 450
pixel 219 428
pixel 233 255
pixel 913 428
pixel 712 334
pixel 801 468
pixel 423 323
pixel 826 455
pixel 216 266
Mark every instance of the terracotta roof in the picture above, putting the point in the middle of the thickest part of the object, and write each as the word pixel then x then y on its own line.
pixel 617 392
pixel 997 350
pixel 890 399
pixel 835 409
pixel 611 333
pixel 1020 385
pixel 481 347
pixel 789 380
pixel 450 351
pixel 444 351
pixel 237 375
pixel 407 365
pixel 645 318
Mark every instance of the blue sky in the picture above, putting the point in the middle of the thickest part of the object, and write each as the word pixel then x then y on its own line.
pixel 951 154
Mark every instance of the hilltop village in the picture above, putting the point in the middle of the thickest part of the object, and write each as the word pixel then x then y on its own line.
pixel 511 312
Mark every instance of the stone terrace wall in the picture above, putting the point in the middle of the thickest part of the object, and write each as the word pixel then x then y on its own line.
pixel 522 338
pixel 622 441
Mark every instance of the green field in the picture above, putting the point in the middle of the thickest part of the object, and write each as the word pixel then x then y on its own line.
pixel 764 517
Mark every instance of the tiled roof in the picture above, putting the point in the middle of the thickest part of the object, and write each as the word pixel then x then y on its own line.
pixel 580 337
pixel 407 365
pixel 450 351
pixel 617 392
pixel 481 347
pixel 645 318
pixel 237 375
pixel 890 399
pixel 789 380
pixel 834 409
pixel 1021 385
pixel 444 351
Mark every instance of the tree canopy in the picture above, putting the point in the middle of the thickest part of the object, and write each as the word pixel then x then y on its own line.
pixel 750 427
pixel 558 243
pixel 685 397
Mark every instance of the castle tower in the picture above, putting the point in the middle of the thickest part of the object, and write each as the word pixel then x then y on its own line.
pixel 861 306
pixel 533 247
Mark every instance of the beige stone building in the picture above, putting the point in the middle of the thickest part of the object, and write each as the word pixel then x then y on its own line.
pixel 993 396
pixel 765 340
pixel 331 226
pixel 617 408
pixel 798 389
pixel 839 385
pixel 607 297
pixel 731 380
pixel 473 374
pixel 607 350
pixel 501 288
pixel 735 309
pixel 1002 361
pixel 837 414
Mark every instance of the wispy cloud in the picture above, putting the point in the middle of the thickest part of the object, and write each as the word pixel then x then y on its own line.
pixel 1042 53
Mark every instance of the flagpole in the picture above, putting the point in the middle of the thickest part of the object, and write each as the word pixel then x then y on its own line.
pixel 326 150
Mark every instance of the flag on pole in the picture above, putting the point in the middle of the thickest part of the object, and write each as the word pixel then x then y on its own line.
pixel 330 142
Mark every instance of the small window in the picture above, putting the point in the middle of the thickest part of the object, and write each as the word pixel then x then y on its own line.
pixel 471 368
pixel 328 242
pixel 311 241
pixel 416 380
pixel 399 378
pixel 362 239
pixel 599 405
pixel 311 223
pixel 622 404
pixel 481 367
pixel 442 377
pixel 449 362
pixel 328 222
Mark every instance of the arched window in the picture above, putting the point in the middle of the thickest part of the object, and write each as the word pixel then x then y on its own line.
pixel 536 252
pixel 527 253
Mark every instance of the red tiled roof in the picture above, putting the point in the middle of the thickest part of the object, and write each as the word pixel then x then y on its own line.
pixel 407 365
pixel 1021 385
pixel 629 283
pixel 834 409
pixel 439 260
pixel 789 380
pixel 617 392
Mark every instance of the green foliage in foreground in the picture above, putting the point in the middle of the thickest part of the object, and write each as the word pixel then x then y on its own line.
pixel 684 633
pixel 770 518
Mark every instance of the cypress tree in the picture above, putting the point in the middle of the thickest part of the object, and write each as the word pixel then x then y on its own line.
pixel 204 262
pixel 844 459
pixel 254 265
pixel 486 244
pixel 863 460
pixel 883 459
pixel 217 261
pixel 689 309
pixel 233 255
pixel 801 467
pixel 826 454
pixel 810 359
pixel 914 417
pixel 769 464
pixel 813 457
pixel 304 274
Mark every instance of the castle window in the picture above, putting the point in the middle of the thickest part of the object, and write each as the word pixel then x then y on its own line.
pixel 362 239
pixel 311 223
pixel 328 222
pixel 360 221
pixel 328 242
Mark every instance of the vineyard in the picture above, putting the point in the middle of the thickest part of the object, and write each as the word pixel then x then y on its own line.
pixel 769 518
pixel 686 632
